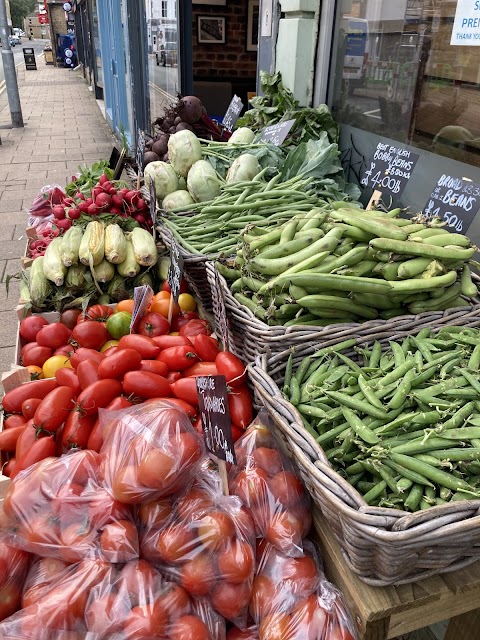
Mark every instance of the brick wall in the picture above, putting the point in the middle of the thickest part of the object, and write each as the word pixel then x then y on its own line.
pixel 58 23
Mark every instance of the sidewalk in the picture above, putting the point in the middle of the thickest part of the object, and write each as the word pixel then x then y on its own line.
pixel 64 128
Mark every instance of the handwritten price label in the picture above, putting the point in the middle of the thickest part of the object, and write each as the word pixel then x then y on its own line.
pixel 216 423
pixel 455 201
pixel 276 133
pixel 389 169
pixel 232 114
pixel 142 296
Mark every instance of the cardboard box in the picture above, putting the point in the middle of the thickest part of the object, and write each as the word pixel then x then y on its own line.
pixel 26 260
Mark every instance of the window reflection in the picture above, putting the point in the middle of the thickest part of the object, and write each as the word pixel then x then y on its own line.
pixel 163 54
pixel 398 76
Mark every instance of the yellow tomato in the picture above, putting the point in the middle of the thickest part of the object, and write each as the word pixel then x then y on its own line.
pixel 107 345
pixel 53 364
pixel 36 373
pixel 173 333
pixel 186 302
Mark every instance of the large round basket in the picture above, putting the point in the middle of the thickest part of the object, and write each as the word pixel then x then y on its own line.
pixel 383 546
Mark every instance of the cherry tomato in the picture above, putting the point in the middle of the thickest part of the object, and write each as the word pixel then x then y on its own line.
pixel 186 389
pixel 206 347
pixel 201 369
pixel 16 420
pixel 68 378
pixel 178 358
pixel 69 317
pixel 240 406
pixel 98 395
pixel 145 346
pixel 77 430
pixel 36 373
pixel 30 326
pixel 171 341
pixel 54 409
pixel 154 366
pixel 33 353
pixel 40 449
pixel 54 335
pixel 85 354
pixel 90 334
pixel 152 325
pixel 145 384
pixel 231 367
pixel 12 401
pixel 195 327
pixel 119 363
pixel 9 438
pixel 182 319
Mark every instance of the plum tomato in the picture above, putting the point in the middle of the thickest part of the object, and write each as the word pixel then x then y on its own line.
pixel 99 394
pixel 178 358
pixel 195 327
pixel 206 347
pixel 231 367
pixel 54 409
pixel 240 406
pixel 119 363
pixel 145 384
pixel 145 346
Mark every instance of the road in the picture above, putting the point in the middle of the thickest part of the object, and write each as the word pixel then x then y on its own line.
pixel 164 85
pixel 38 46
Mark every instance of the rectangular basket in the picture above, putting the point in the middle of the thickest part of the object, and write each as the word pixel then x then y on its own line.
pixel 383 546
pixel 251 337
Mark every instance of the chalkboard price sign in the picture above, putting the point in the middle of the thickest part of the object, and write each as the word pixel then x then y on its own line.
pixel 276 133
pixel 142 296
pixel 389 169
pixel 175 271
pixel 216 424
pixel 153 201
pixel 140 151
pixel 455 201
pixel 232 114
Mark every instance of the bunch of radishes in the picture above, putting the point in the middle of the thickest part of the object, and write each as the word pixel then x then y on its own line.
pixel 38 247
pixel 105 198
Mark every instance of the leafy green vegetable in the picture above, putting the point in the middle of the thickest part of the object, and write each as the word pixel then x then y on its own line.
pixel 221 156
pixel 89 177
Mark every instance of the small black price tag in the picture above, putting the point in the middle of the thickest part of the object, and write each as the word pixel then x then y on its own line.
pixel 153 201
pixel 455 201
pixel 140 151
pixel 232 114
pixel 216 423
pixel 389 169
pixel 221 314
pixel 142 296
pixel 175 271
pixel 276 133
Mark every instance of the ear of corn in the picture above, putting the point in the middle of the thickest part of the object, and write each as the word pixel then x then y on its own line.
pixel 144 247
pixel 53 267
pixel 104 271
pixel 75 278
pixel 39 285
pixel 25 296
pixel 143 279
pixel 129 267
pixel 115 244
pixel 96 241
pixel 70 246
pixel 117 288
pixel 83 252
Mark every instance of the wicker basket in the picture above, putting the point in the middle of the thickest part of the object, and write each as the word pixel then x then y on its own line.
pixel 382 546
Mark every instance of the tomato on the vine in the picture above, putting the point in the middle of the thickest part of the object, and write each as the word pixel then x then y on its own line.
pixel 153 324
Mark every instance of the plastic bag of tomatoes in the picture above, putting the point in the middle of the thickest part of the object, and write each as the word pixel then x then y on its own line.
pixel 58 508
pixel 149 451
pixel 204 541
pixel 291 599
pixel 265 480
pixel 14 565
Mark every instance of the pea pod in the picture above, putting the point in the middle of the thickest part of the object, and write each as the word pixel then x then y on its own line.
pixel 408 247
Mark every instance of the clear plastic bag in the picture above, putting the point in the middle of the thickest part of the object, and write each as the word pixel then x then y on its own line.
pixel 205 541
pixel 150 451
pixel 267 483
pixel 250 633
pixel 58 508
pixel 46 199
pixel 14 565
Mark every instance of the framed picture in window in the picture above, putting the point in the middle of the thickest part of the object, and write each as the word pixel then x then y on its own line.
pixel 211 29
pixel 252 25
pixel 219 3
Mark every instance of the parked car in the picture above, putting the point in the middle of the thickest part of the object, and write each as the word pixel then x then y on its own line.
pixel 168 54
pixel 14 39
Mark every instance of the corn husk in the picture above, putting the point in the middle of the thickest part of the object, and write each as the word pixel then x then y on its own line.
pixel 53 267
pixel 115 244
pixel 39 285
pixel 70 246
pixel 75 278
pixel 117 288
pixel 129 268
pixel 144 247
pixel 104 271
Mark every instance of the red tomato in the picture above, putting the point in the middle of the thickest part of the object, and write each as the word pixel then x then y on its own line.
pixel 231 367
pixel 68 378
pixel 238 634
pixel 85 354
pixel 174 543
pixel 9 437
pixel 52 412
pixel 16 420
pixel 33 353
pixel 155 514
pixel 183 286
pixel 287 488
pixel 87 372
pixel 230 600
pixel 98 312
pixel 90 334
pixel 30 326
pixel 110 351
pixel 77 430
pixel 198 574
pixel 171 341
pixel 251 485
pixel 189 628
pixel 26 439
pixel 10 599
pixel 194 501
pixel 145 384
pixel 95 439
pixel 65 350
pixel 237 432
pixel 186 389
pixel 236 562
pixel 154 366
pixel 284 531
pixel 99 394
pixel 9 467
pixel 268 459
pixel 119 363
pixel 240 406
pixel 195 327
pixel 201 369
pixel 173 376
pixel 145 346
pixel 301 573
pixel 183 318
pixel 181 404
pixel 276 626
pixel 264 597
pixel 40 449
pixel 153 324
pixel 54 335
pixel 178 358
pixel 215 529
pixel 69 317
pixel 12 401
pixel 119 541
pixel 206 347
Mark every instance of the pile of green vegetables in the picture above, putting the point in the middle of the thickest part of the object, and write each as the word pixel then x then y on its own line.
pixel 402 425
pixel 340 264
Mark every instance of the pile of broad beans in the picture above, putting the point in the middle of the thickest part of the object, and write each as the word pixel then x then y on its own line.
pixel 339 264
pixel 401 424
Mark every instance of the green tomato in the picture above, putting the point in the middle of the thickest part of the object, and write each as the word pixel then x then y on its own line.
pixel 118 324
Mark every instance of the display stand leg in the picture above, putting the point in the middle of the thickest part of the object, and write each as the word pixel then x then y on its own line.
pixel 465 626
pixel 222 470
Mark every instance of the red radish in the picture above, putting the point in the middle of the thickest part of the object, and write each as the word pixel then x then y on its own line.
pixel 124 190
pixel 103 200
pixel 64 224
pixel 139 218
pixel 74 214
pixel 79 196
pixel 68 201
pixel 116 211
pixel 130 195
pixel 103 178
pixel 112 191
pixel 96 191
pixel 107 185
pixel 83 207
pixel 89 201
pixel 58 212
pixel 93 210
pixel 141 204
pixel 117 201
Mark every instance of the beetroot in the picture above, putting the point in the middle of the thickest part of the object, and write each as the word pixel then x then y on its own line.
pixel 160 145
pixel 190 109
pixel 149 156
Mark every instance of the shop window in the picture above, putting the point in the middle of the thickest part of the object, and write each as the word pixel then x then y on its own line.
pixel 398 76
